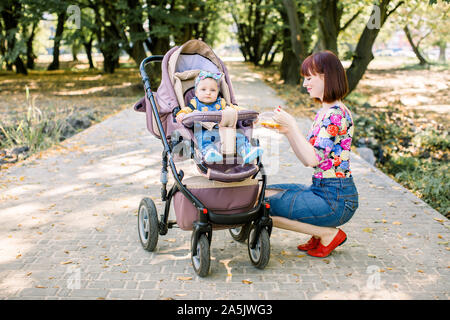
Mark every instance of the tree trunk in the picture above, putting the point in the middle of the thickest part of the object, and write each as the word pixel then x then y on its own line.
pixel 363 52
pixel 20 66
pixel 422 60
pixel 11 13
pixel 88 48
pixel 442 48
pixel 57 40
pixel 290 67
pixel 30 54
pixel 109 62
pixel 329 24
pixel 137 50
pixel 294 27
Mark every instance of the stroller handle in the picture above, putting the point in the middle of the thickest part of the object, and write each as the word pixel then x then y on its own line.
pixel 144 75
pixel 167 149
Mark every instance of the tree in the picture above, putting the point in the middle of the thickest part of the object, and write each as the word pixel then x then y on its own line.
pixel 11 13
pixel 300 24
pixel 329 16
pixel 422 22
pixel 363 53
pixel 258 27
pixel 60 9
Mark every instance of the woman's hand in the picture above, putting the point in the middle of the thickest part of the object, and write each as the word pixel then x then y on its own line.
pixel 285 120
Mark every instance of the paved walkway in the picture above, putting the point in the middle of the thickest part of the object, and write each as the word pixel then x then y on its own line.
pixel 68 223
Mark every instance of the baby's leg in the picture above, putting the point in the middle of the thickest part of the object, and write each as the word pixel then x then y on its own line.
pixel 246 150
pixel 210 152
pixel 243 146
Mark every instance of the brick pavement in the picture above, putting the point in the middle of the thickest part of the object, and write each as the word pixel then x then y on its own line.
pixel 68 223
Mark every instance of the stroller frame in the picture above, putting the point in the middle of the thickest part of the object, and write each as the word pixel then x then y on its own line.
pixel 256 223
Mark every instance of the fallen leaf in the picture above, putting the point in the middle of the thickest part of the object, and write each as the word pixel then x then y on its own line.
pixel 124 271
pixel 181 294
pixel 439 236
pixel 18 256
pixel 29 274
pixel 397 223
pixel 184 278
pixel 439 220
pixel 368 230
pixel 67 262
pixel 247 281
pixel 371 255
pixel 421 271
pixel 301 255
pixel 40 287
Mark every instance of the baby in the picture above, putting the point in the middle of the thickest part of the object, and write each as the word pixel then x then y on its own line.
pixel 207 99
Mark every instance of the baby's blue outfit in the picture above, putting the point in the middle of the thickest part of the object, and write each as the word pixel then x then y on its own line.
pixel 207 138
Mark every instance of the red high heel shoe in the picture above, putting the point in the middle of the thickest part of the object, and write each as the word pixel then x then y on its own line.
pixel 321 251
pixel 311 244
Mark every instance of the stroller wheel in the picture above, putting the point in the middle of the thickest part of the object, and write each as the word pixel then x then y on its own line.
pixel 148 225
pixel 260 255
pixel 201 260
pixel 240 233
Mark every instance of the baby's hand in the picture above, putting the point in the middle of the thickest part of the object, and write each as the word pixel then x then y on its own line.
pixel 180 117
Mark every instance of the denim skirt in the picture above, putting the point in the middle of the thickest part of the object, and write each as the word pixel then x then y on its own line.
pixel 328 202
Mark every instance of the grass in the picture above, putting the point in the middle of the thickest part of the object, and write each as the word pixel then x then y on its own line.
pixel 411 145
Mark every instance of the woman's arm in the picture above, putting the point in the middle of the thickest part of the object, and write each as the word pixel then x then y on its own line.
pixel 302 148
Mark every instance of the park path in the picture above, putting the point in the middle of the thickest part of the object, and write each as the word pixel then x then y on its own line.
pixel 68 221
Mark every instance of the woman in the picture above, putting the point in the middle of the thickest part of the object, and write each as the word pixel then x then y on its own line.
pixel 332 199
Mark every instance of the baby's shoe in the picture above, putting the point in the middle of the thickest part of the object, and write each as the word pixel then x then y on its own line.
pixel 212 155
pixel 254 152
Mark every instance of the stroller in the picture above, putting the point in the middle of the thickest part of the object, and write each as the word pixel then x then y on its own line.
pixel 225 195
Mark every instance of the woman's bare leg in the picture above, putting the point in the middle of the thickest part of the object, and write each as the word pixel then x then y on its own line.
pixel 326 234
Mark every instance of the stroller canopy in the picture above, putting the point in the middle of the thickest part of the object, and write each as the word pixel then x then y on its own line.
pixel 192 55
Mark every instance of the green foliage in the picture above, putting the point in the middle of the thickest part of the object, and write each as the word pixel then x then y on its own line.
pixel 415 155
pixel 429 180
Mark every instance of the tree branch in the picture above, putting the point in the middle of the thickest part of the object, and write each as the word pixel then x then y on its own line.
pixel 350 20
pixel 395 8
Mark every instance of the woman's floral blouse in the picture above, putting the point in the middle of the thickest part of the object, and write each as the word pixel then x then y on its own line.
pixel 332 139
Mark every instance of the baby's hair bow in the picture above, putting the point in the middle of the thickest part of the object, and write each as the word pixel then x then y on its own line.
pixel 206 74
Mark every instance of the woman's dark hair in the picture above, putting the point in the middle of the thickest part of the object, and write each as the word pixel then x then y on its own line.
pixel 335 78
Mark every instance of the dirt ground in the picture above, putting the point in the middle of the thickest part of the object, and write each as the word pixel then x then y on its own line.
pixel 68 90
